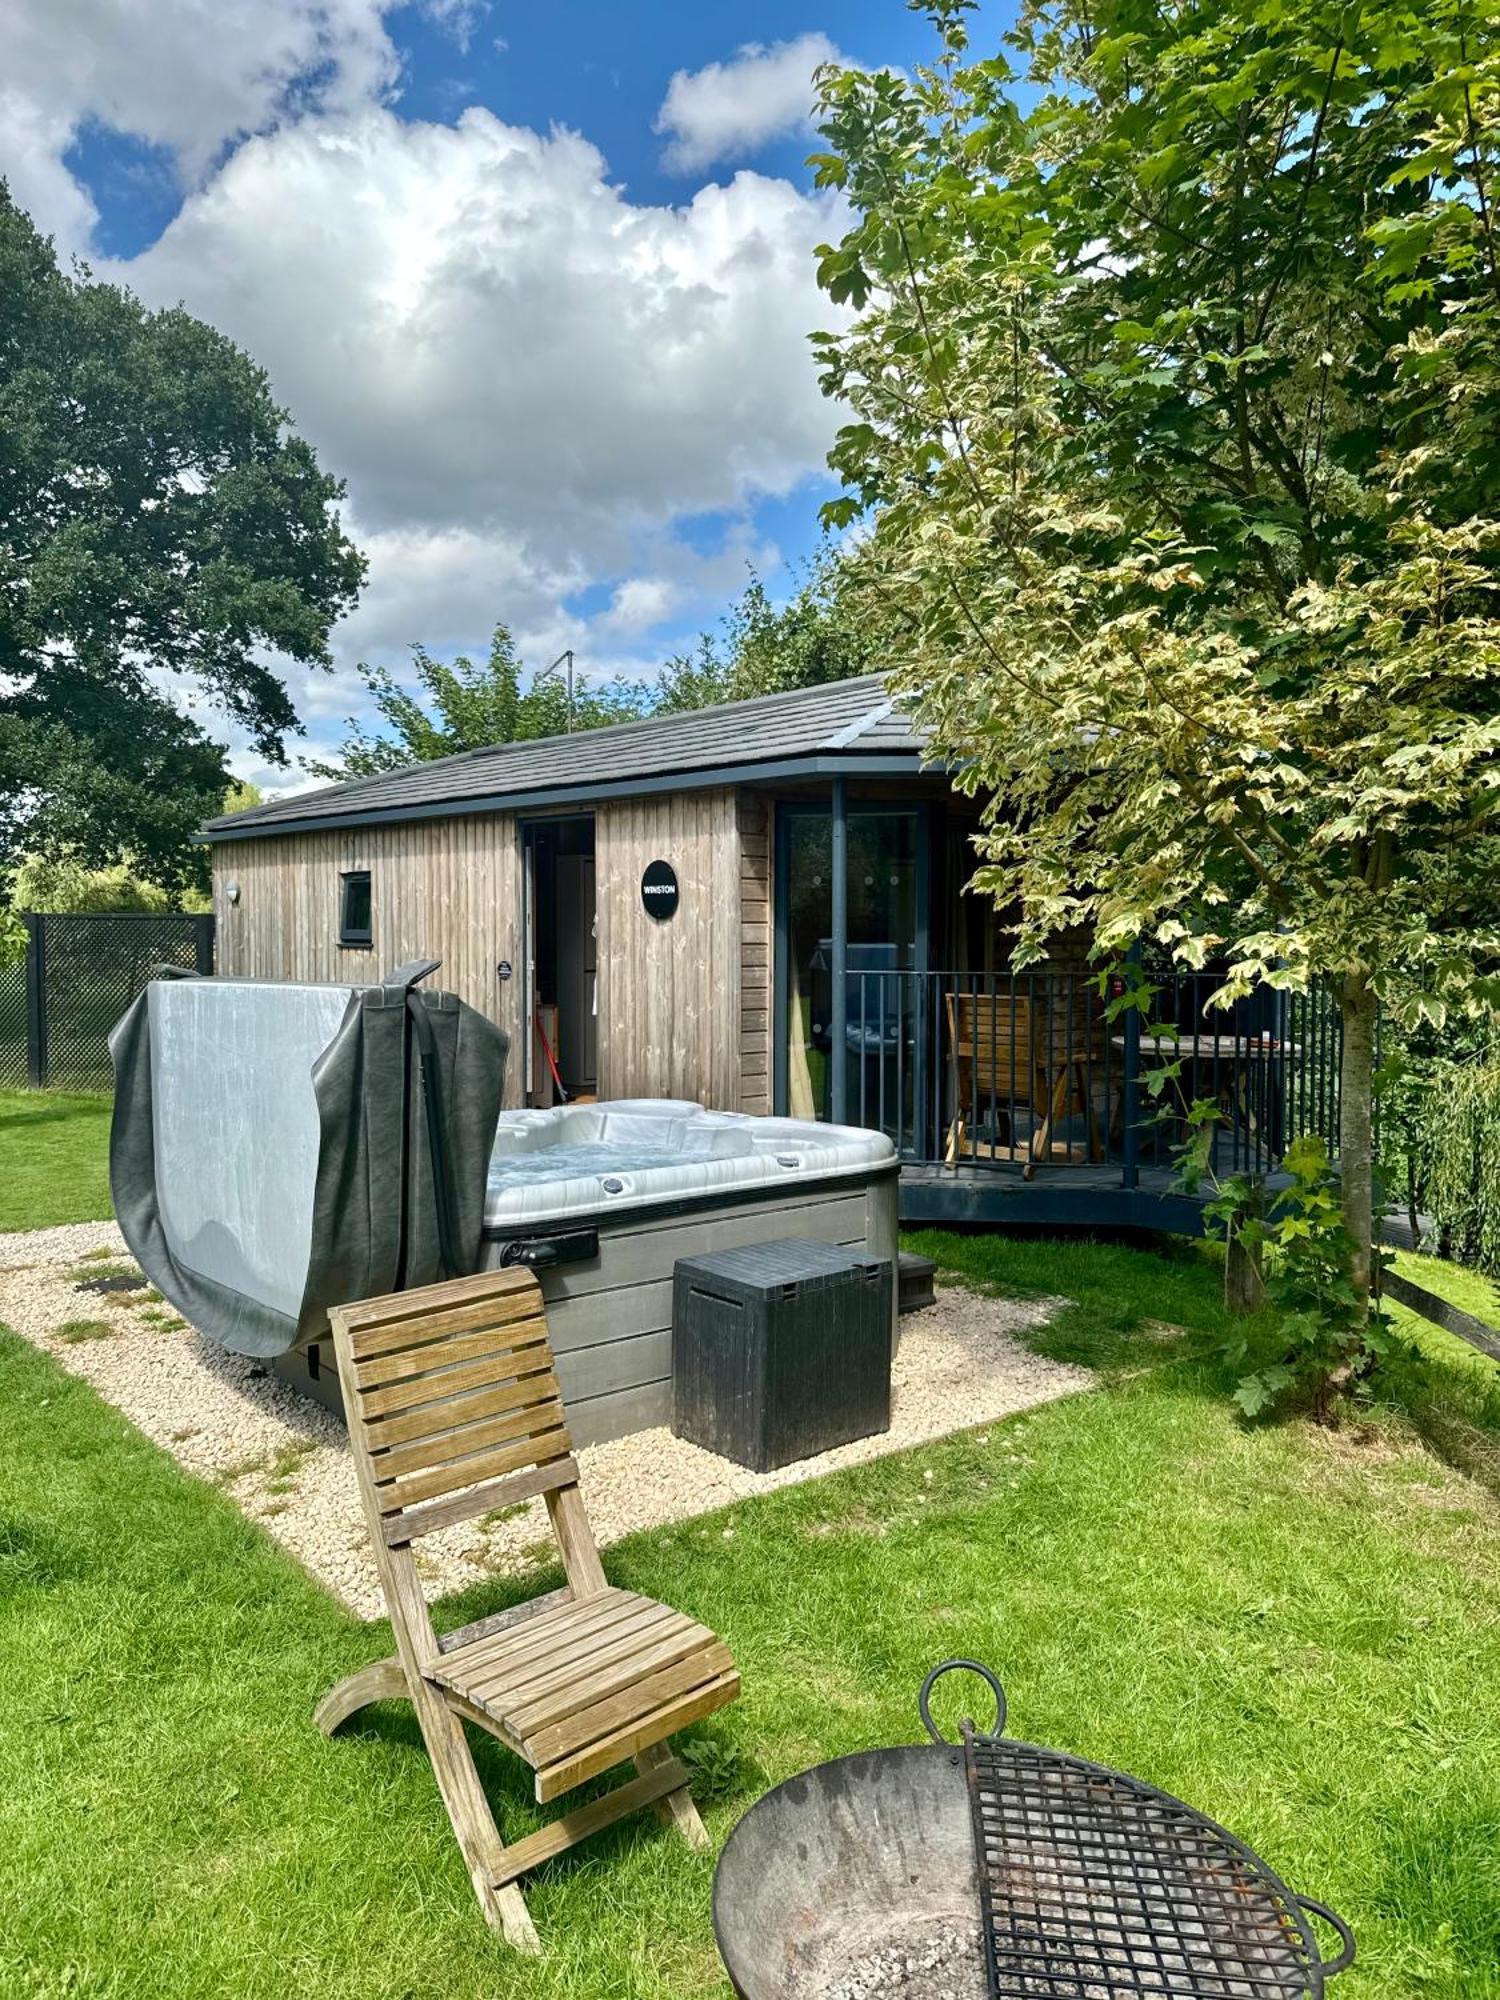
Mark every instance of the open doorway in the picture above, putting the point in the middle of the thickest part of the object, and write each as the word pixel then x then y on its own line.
pixel 562 1004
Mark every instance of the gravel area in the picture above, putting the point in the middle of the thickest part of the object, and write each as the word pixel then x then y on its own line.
pixel 285 1461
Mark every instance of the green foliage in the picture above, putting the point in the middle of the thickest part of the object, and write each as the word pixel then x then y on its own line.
pixel 1326 1343
pixel 61 882
pixel 717 1766
pixel 471 704
pixel 241 796
pixel 158 516
pixel 1458 1148
pixel 817 636
pixel 1175 409
pixel 763 648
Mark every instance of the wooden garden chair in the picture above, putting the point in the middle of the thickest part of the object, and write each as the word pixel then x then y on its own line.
pixel 453 1409
pixel 1015 1054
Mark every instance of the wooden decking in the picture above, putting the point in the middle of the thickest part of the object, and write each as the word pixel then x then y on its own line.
pixel 1074 1196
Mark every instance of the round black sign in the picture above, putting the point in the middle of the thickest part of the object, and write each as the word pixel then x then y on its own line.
pixel 659 890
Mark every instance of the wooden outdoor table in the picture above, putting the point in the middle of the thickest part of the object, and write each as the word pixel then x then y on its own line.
pixel 1236 1050
pixel 1206 1048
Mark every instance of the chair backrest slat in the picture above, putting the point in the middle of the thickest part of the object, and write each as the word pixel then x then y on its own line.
pixel 402 1426
pixel 536 1482
pixel 409 1335
pixel 448 1391
pixel 483 1370
pixel 999 1033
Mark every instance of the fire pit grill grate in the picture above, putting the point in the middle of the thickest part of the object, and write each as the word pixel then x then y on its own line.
pixel 1095 1886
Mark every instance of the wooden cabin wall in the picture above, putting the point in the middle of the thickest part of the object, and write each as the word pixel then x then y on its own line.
pixel 669 993
pixel 442 888
pixel 755 821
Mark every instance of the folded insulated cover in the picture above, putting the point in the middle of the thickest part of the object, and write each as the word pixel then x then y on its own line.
pixel 278 1149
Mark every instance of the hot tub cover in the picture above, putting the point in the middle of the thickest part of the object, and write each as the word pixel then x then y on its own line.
pixel 272 1151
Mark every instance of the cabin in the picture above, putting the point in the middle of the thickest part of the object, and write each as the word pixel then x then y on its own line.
pixel 761 907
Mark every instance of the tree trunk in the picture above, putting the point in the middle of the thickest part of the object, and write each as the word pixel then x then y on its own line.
pixel 1244 1280
pixel 1357 1007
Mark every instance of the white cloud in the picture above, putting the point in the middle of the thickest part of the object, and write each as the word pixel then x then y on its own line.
pixel 32 143
pixel 186 75
pixel 639 603
pixel 530 382
pixel 479 330
pixel 459 19
pixel 729 110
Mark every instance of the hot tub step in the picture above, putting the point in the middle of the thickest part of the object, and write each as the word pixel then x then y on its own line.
pixel 914 1282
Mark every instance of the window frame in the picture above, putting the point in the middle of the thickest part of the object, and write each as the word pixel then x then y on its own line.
pixel 351 938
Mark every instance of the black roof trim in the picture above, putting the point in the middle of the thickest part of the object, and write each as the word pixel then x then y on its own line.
pixel 789 768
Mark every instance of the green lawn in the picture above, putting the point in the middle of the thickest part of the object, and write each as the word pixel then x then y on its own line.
pixel 54 1158
pixel 1300 1632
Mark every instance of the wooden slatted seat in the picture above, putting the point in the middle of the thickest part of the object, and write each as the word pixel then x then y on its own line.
pixel 570 1691
pixel 454 1409
pixel 1011 1052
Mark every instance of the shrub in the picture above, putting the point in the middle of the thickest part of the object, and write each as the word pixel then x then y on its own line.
pixel 1459 1151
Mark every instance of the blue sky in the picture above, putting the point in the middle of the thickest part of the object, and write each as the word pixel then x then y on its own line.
pixel 536 280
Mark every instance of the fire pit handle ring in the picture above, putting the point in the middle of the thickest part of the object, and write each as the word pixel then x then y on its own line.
pixel 924 1708
pixel 1346 1937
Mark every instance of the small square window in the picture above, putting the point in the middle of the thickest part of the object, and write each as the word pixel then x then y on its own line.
pixel 354 908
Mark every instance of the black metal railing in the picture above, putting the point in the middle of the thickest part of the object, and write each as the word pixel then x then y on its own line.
pixel 1035 1070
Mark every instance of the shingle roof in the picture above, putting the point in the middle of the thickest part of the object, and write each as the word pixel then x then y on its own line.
pixel 844 724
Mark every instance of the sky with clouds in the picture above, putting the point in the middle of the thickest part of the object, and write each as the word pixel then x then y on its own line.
pixel 535 278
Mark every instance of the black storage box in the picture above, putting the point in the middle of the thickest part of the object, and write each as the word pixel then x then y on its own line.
pixel 780 1350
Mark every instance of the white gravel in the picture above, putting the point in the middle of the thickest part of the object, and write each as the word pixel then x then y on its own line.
pixel 285 1461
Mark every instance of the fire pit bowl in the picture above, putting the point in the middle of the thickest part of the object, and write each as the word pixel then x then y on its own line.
pixel 851 1858
pixel 993 1868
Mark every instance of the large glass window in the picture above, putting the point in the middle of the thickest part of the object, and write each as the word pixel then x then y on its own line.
pixel 880 998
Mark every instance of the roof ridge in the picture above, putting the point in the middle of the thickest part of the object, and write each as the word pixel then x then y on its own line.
pixel 355 787
pixel 852 731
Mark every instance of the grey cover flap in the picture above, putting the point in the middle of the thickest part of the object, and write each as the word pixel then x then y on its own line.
pixel 270 1155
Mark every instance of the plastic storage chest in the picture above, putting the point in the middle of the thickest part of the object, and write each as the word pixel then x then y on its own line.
pixel 780 1350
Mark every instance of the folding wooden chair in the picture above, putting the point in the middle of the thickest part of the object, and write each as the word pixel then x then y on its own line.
pixel 1010 1054
pixel 453 1409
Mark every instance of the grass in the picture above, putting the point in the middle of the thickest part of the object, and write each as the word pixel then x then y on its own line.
pixel 74 1331
pixel 54 1158
pixel 1299 1631
pixel 1451 1390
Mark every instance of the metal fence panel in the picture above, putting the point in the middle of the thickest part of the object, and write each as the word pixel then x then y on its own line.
pixel 79 974
pixel 14 1069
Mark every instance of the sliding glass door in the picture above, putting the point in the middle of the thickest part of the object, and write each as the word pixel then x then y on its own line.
pixel 881 1042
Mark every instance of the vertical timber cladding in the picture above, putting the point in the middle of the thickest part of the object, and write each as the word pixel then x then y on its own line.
pixel 669 993
pixel 439 888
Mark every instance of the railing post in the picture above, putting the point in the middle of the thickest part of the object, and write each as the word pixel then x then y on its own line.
pixel 839 1021
pixel 36 999
pixel 203 943
pixel 1130 1138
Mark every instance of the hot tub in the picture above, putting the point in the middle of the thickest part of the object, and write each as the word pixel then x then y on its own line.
pixel 602 1199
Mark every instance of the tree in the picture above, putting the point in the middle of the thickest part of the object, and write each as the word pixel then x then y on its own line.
pixel 161 527
pixel 62 883
pixel 766 648
pixel 472 704
pixel 1176 412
